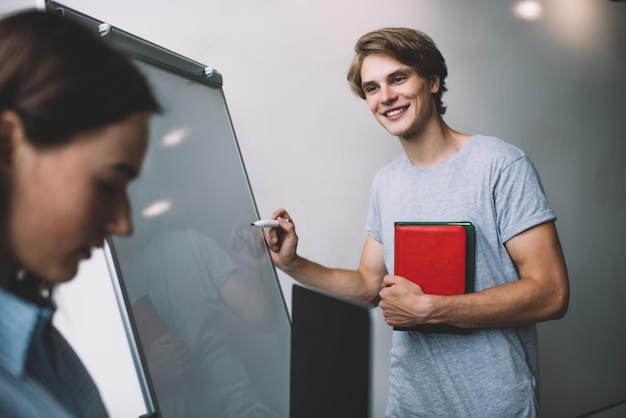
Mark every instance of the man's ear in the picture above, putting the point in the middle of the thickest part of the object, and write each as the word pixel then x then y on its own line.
pixel 435 81
pixel 12 133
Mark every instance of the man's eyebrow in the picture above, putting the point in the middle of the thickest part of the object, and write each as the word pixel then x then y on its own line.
pixel 400 71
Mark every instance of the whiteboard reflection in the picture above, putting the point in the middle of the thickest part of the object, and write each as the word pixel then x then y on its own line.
pixel 185 291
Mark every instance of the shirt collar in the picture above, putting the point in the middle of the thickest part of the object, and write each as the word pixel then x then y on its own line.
pixel 18 322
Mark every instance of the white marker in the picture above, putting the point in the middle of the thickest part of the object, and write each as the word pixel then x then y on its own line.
pixel 267 223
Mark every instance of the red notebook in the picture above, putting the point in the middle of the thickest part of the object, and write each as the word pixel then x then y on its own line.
pixel 432 255
pixel 438 256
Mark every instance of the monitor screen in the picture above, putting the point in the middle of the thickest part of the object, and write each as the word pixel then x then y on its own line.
pixel 331 356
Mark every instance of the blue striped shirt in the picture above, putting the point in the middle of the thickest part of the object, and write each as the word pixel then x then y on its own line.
pixel 40 375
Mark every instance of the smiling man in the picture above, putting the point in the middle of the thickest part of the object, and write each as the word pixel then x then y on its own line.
pixel 444 175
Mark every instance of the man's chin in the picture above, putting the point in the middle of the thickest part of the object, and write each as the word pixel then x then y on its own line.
pixel 393 128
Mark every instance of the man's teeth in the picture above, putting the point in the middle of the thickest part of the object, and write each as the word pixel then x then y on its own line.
pixel 395 112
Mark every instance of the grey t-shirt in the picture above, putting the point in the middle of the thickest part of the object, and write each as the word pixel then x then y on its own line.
pixel 491 372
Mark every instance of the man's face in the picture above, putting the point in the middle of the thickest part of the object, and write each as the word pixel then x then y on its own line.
pixel 399 98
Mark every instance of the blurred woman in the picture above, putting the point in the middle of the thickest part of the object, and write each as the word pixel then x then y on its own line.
pixel 74 116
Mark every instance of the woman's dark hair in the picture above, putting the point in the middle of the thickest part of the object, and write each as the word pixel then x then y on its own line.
pixel 410 47
pixel 62 79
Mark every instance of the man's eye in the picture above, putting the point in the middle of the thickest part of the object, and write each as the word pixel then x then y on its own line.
pixel 370 89
pixel 399 79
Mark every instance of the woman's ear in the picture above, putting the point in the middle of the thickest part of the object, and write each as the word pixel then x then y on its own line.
pixel 12 134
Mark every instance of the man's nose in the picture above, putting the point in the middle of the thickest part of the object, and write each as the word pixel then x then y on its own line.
pixel 387 94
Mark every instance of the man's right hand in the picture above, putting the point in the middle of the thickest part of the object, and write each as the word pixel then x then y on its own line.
pixel 282 241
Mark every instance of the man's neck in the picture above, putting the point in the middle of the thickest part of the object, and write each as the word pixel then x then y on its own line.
pixel 433 145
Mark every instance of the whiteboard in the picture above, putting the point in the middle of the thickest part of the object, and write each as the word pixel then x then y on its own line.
pixel 203 309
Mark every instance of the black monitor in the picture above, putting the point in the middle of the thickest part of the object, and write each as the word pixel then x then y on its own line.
pixel 331 356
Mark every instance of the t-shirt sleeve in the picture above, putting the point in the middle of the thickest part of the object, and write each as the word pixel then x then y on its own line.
pixel 373 226
pixel 520 201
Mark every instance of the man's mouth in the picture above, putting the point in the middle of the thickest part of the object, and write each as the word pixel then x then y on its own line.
pixel 395 112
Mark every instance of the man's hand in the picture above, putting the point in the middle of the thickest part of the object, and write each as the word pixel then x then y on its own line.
pixel 283 241
pixel 403 302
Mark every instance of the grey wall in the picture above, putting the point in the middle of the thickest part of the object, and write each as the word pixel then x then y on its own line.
pixel 554 86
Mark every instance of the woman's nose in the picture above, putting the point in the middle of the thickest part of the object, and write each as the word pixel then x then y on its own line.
pixel 120 222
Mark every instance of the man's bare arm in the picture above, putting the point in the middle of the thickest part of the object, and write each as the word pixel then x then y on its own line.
pixel 541 294
pixel 362 284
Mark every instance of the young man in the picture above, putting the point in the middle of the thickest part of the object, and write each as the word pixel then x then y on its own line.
pixel 445 175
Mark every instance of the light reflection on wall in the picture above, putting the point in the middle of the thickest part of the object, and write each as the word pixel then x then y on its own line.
pixel 577 23
pixel 528 9
pixel 175 137
pixel 156 208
